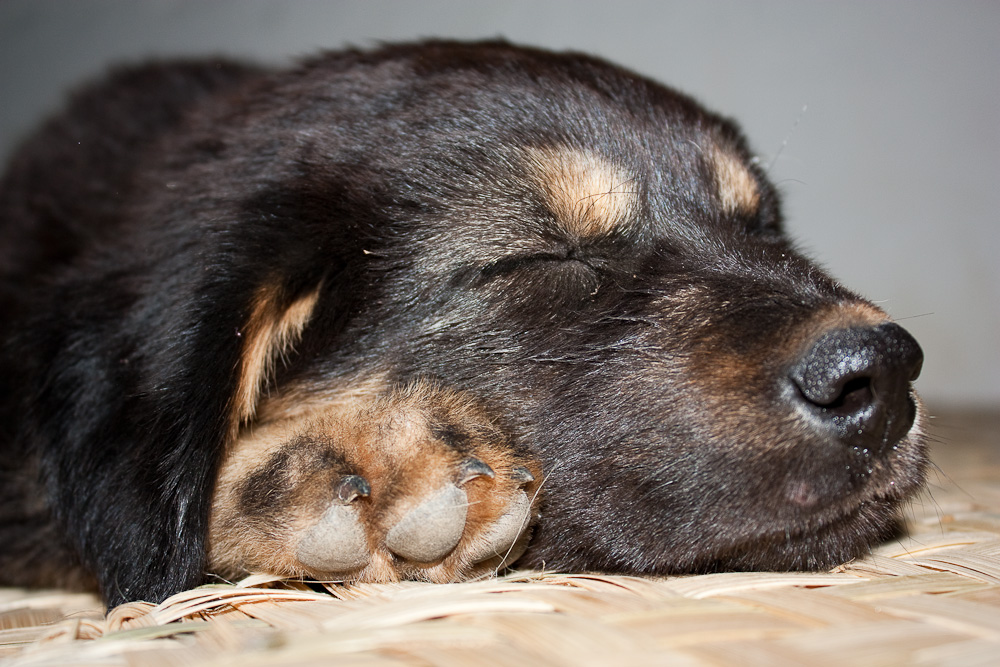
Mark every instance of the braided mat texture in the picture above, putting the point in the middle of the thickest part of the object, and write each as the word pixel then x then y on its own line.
pixel 931 598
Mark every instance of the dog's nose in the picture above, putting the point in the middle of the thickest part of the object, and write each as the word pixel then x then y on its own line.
pixel 857 382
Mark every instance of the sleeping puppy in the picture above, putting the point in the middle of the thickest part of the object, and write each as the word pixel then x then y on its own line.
pixel 423 312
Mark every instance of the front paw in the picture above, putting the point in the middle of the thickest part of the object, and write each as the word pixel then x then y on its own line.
pixel 418 484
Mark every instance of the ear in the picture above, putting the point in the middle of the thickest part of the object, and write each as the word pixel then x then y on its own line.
pixel 274 326
pixel 135 405
pixel 133 481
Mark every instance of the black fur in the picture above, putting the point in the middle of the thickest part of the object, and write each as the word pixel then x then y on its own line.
pixel 647 368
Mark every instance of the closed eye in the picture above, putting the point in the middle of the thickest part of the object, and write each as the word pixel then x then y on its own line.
pixel 512 264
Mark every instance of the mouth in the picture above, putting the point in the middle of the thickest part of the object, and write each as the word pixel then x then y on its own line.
pixel 816 546
pixel 828 515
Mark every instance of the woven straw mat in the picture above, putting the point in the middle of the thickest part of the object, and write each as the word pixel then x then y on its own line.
pixel 930 598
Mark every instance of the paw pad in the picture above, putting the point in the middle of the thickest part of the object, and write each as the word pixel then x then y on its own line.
pixel 428 531
pixel 420 486
pixel 337 543
pixel 432 529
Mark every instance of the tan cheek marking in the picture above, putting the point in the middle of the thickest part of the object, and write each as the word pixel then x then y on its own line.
pixel 727 380
pixel 588 195
pixel 271 332
pixel 738 192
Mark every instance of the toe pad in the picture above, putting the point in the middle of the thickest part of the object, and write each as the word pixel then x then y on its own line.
pixel 336 543
pixel 432 529
pixel 502 535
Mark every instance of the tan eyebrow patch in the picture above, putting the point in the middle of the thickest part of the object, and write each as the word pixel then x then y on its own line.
pixel 271 331
pixel 737 188
pixel 588 195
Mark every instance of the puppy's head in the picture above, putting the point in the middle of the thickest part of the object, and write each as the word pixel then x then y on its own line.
pixel 603 264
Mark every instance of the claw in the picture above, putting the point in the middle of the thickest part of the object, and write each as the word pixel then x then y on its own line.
pixel 521 475
pixel 350 487
pixel 472 468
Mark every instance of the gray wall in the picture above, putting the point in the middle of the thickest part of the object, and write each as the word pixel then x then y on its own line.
pixel 881 121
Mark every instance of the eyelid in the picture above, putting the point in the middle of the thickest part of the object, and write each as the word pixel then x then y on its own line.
pixel 511 263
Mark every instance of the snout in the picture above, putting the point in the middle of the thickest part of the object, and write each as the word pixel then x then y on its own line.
pixel 854 385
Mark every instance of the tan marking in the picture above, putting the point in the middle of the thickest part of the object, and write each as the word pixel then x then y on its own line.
pixel 737 188
pixel 588 195
pixel 728 382
pixel 724 373
pixel 271 332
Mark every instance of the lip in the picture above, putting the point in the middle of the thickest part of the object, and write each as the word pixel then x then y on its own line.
pixel 893 484
pixel 820 544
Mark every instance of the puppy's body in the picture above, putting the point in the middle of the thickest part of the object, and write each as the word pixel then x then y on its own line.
pixel 290 321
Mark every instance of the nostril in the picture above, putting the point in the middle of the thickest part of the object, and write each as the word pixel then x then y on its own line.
pixel 858 381
pixel 854 398
pixel 836 374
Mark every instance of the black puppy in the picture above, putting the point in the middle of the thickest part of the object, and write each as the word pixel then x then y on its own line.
pixel 417 313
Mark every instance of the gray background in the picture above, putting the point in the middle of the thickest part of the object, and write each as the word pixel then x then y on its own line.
pixel 881 121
